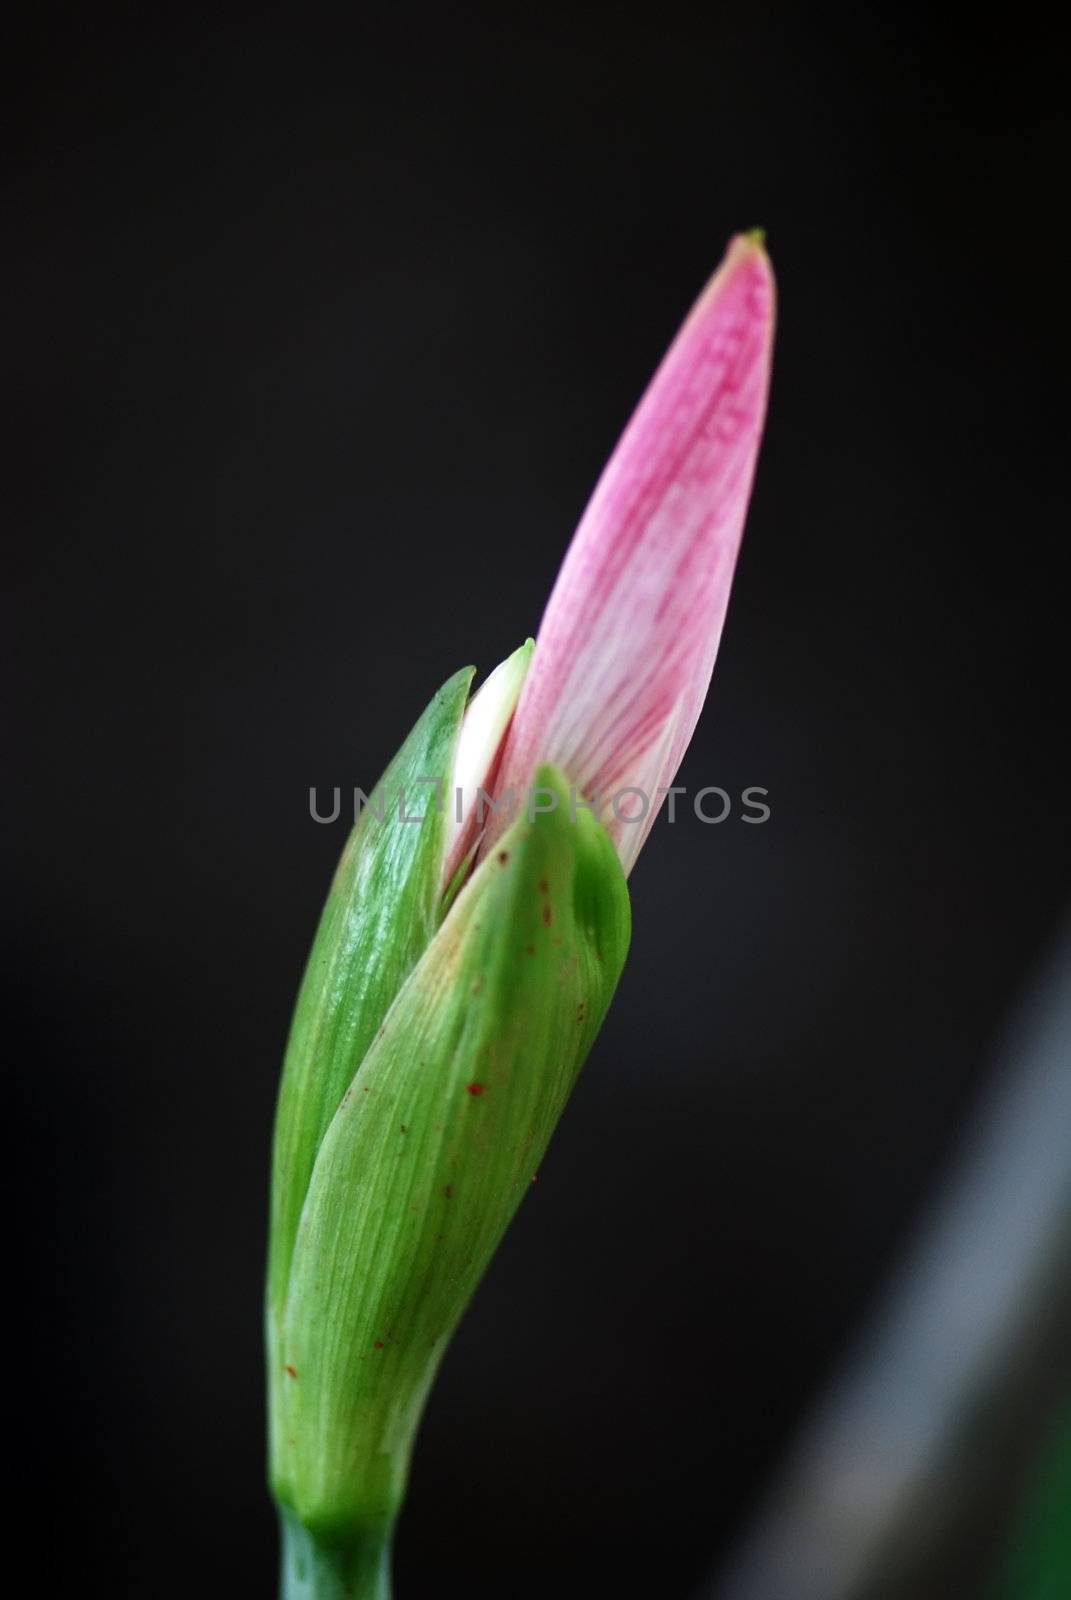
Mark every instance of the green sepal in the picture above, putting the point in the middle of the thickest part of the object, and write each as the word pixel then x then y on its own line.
pixel 435 1143
pixel 381 913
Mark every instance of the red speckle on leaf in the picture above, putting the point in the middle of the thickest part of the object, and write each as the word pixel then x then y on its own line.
pixel 503 856
pixel 533 1178
pixel 448 1192
pixel 377 1344
pixel 529 949
pixel 289 1368
pixel 475 1088
pixel 544 886
pixel 547 914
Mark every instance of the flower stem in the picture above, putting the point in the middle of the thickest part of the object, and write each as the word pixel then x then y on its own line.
pixel 348 1568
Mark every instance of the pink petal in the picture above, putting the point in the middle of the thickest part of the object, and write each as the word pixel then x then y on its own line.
pixel 628 640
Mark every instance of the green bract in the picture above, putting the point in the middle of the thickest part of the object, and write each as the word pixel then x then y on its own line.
pixel 381 912
pixel 426 1071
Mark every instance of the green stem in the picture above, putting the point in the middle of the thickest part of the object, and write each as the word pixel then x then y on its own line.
pixel 352 1568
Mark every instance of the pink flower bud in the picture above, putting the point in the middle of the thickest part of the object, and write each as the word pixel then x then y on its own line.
pixel 627 644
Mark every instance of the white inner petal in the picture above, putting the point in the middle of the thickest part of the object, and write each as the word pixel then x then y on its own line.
pixel 483 727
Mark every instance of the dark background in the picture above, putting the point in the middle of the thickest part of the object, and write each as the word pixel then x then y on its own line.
pixel 320 335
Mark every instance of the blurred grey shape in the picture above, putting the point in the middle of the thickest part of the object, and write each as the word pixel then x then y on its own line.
pixel 905 1481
